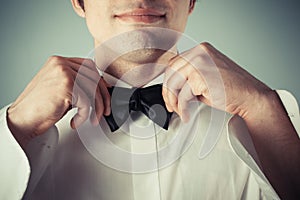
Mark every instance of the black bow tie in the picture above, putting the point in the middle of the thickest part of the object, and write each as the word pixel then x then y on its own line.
pixel 147 100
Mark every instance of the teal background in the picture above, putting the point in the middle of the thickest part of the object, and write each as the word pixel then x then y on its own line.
pixel 260 35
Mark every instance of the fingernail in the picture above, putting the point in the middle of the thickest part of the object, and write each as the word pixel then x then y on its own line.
pixel 107 112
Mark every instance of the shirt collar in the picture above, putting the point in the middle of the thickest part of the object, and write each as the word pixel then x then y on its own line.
pixel 118 82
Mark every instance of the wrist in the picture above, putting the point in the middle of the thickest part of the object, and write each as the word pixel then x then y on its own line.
pixel 264 106
pixel 17 126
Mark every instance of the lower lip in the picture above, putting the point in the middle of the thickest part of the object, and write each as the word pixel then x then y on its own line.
pixel 145 19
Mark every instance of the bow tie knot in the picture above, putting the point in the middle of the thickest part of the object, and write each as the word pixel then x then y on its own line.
pixel 135 101
pixel 147 100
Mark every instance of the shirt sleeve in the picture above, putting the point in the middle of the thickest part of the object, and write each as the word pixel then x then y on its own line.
pixel 241 143
pixel 14 165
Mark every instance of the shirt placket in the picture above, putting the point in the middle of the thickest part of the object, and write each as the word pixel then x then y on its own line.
pixel 145 176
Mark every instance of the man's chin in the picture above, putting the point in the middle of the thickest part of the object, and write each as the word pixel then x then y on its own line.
pixel 138 47
pixel 143 38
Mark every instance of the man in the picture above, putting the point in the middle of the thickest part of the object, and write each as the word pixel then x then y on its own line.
pixel 67 170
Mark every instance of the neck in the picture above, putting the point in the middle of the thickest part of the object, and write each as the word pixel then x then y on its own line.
pixel 139 67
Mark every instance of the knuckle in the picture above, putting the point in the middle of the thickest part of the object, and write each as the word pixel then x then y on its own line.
pixel 206 46
pixel 198 89
pixel 67 82
pixel 54 59
pixel 68 101
pixel 60 67
pixel 89 61
pixel 62 70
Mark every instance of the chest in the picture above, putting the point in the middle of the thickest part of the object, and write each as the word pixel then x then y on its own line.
pixel 75 173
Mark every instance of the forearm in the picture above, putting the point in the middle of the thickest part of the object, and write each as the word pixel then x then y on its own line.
pixel 277 144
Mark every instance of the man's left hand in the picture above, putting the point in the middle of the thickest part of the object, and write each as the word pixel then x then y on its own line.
pixel 205 74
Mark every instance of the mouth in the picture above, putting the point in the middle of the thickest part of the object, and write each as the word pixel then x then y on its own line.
pixel 141 16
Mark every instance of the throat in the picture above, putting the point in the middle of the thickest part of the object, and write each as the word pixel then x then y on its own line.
pixel 136 76
pixel 137 57
pixel 139 68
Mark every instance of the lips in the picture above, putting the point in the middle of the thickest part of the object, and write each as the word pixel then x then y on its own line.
pixel 141 16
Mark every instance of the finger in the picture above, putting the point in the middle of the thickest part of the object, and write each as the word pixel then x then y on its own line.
pixel 94 93
pixel 199 90
pixel 165 97
pixel 172 90
pixel 98 109
pixel 102 104
pixel 185 57
pixel 106 96
pixel 91 74
pixel 173 85
pixel 89 63
pixel 92 90
pixel 168 73
pixel 174 64
pixel 184 97
pixel 82 102
pixel 165 91
pixel 197 84
pixel 168 92
pixel 96 90
pixel 177 62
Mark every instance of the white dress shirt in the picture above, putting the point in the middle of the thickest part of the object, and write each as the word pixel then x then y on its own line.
pixel 140 160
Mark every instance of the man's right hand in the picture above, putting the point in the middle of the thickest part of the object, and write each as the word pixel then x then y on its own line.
pixel 61 84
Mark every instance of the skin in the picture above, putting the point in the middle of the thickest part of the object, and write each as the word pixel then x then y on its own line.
pixel 51 90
